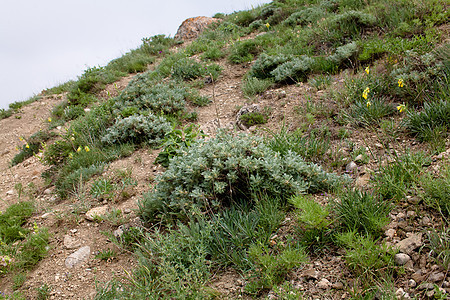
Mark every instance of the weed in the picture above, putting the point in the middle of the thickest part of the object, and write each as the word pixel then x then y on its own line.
pixel 368 112
pixel 18 280
pixel 106 255
pixel 362 212
pixel 252 86
pixel 253 118
pixel 439 243
pixel 244 51
pixel 43 292
pixel 436 191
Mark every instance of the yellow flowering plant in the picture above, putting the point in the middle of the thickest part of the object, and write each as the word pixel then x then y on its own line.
pixel 366 93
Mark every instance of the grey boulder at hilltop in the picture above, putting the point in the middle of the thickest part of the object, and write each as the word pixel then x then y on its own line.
pixel 192 27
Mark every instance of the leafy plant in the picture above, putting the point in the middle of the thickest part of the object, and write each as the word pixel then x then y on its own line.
pixel 362 212
pixel 253 118
pixel 436 190
pixel 434 115
pixel 212 173
pixel 252 86
pixel 244 51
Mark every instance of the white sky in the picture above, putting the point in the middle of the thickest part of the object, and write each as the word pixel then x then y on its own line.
pixel 47 42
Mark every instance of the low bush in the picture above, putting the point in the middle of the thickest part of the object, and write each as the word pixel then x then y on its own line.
pixel 212 174
pixel 368 112
pixel 305 16
pixel 137 129
pixel 244 51
pixel 252 86
pixel 352 23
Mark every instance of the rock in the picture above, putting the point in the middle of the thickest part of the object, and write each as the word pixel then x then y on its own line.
pixel 192 27
pixel 48 192
pixel 411 243
pixel 418 276
pixel 47 215
pixel 430 294
pixel 411 214
pixel 363 180
pixel 97 211
pixel 446 284
pixel 127 210
pixel 359 158
pixel 87 109
pixel 351 167
pixel 401 258
pixel 10 192
pixel 118 232
pixel 390 233
pixel 78 257
pixel 70 242
pixel 435 277
pixel 401 216
pixel 412 283
pixel 323 284
pixel 338 286
pixel 400 293
pixel 426 220
pixel 310 274
pixel 426 286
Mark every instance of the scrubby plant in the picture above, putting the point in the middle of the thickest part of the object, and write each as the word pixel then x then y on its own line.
pixel 434 115
pixel 212 173
pixel 252 86
pixel 396 178
pixel 305 16
pixel 294 70
pixel 189 69
pixel 253 118
pixel 244 51
pixel 137 129
pixel 352 23
pixel 213 53
pixel 32 146
pixel 361 212
pixel 177 139
pixel 345 56
pixel 11 221
pixel 367 112
pixel 436 191
pixel 265 64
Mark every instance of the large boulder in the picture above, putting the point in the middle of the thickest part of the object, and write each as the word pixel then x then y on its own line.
pixel 192 27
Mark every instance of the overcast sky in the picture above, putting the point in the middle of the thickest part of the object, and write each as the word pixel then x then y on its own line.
pixel 47 42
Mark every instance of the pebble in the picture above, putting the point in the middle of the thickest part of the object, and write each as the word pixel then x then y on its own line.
pixel 10 192
pixel 70 242
pixel 426 286
pixel 323 284
pixel 359 158
pixel 78 257
pixel 411 214
pixel 96 211
pixel 412 283
pixel 47 191
pixel 127 210
pixel 363 180
pixel 351 167
pixel 390 233
pixel 425 220
pixel 338 285
pixel 411 243
pixel 401 258
pixel 435 277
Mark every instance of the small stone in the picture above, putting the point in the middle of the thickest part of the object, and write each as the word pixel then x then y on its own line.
pixel 426 286
pixel 401 258
pixel 118 232
pixel 401 216
pixel 363 180
pixel 412 283
pixel 418 276
pixel 352 166
pixel 323 284
pixel 411 214
pixel 73 230
pixel 359 158
pixel 400 293
pixel 87 109
pixel 430 294
pixel 311 274
pixel 390 233
pixel 47 192
pixel 378 145
pixel 47 215
pixel 78 257
pixel 96 212
pixel 127 210
pixel 446 284
pixel 411 243
pixel 435 277
pixel 426 220
pixel 10 192
pixel 338 286
pixel 70 242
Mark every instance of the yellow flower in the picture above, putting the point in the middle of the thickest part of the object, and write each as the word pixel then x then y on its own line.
pixel 79 149
pixel 49 119
pixel 267 25
pixel 367 70
pixel 368 103
pixel 27 146
pixel 70 155
pixel 366 93
pixel 400 82
pixel 401 108
pixel 20 138
pixel 86 148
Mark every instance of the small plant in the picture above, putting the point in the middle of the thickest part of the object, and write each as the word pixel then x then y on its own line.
pixel 18 280
pixel 106 255
pixel 252 86
pixel 176 140
pixel 368 112
pixel 439 243
pixel 244 51
pixel 137 129
pixel 436 191
pixel 272 268
pixel 364 257
pixel 43 292
pixel 361 212
pixel 102 189
pixel 253 118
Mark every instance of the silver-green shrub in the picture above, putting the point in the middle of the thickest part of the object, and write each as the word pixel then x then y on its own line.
pixel 138 129
pixel 213 173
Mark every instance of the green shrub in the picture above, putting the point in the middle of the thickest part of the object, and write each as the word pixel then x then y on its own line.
pixel 34 143
pixel 362 212
pixel 11 221
pixel 211 174
pixel 312 147
pixel 187 69
pixel 157 45
pixel 352 23
pixel 244 51
pixel 253 118
pixel 345 56
pixel 394 179
pixel 434 115
pixel 368 112
pixel 265 64
pixel 175 140
pixel 252 86
pixel 213 53
pixel 294 70
pixel 138 129
pixel 436 191
pixel 305 16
